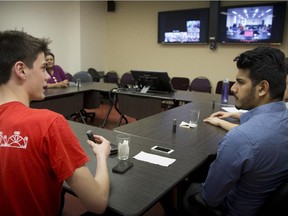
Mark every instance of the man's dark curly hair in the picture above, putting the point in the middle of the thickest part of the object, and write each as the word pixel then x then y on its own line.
pixel 265 63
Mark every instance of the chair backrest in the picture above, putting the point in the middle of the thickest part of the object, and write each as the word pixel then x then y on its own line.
pixel 83 75
pixel 127 79
pixel 111 77
pixel 276 204
pixel 95 75
pixel 180 83
pixel 70 77
pixel 218 89
pixel 201 84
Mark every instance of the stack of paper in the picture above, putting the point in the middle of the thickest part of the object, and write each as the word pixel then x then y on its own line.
pixel 154 159
pixel 233 109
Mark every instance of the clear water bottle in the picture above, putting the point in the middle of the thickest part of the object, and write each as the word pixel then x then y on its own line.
pixel 225 91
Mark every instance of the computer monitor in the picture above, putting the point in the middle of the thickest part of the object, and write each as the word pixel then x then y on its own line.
pixel 152 81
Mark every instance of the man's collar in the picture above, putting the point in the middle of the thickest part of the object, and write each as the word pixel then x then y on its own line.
pixel 266 108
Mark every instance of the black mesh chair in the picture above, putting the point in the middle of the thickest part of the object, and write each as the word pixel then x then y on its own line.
pixel 276 204
pixel 70 76
pixel 84 76
pixel 180 83
pixel 126 80
pixel 111 77
pixel 201 84
pixel 82 114
pixel 95 75
pixel 218 89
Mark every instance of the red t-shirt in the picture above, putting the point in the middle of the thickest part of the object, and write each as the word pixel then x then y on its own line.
pixel 38 151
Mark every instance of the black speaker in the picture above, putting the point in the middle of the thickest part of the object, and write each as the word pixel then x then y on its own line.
pixel 111 6
pixel 214 23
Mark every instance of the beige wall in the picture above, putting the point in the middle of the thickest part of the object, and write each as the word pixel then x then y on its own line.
pixel 93 35
pixel 85 35
pixel 59 21
pixel 132 37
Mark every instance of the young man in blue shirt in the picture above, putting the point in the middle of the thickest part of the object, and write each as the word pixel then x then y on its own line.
pixel 252 159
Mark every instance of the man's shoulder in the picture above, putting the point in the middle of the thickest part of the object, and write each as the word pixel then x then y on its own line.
pixel 45 113
pixel 266 111
pixel 262 125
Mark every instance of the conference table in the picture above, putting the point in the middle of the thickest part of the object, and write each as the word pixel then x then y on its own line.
pixel 138 189
pixel 141 105
pixel 203 138
pixel 67 101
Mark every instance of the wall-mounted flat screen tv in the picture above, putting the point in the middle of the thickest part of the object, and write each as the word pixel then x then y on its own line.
pixel 261 23
pixel 189 26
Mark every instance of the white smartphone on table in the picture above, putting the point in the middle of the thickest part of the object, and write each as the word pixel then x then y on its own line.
pixel 162 149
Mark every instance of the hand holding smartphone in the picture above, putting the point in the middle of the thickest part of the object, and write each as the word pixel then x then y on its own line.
pixel 90 135
pixel 114 148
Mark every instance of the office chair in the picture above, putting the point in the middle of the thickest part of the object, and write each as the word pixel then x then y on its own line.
pixel 275 204
pixel 95 75
pixel 82 114
pixel 218 89
pixel 180 83
pixel 111 77
pixel 201 84
pixel 126 80
pixel 70 77
pixel 83 75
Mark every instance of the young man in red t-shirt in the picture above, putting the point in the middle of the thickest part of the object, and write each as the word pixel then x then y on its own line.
pixel 38 150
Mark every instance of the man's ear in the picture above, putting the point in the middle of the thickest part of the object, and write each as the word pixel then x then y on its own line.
pixel 263 88
pixel 19 68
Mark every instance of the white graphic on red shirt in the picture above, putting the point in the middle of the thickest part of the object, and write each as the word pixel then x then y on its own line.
pixel 14 141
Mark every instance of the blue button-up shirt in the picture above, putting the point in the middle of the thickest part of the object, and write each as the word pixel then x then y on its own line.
pixel 252 160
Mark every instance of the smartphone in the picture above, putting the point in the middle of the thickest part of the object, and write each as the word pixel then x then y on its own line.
pixel 122 167
pixel 90 135
pixel 162 149
pixel 114 148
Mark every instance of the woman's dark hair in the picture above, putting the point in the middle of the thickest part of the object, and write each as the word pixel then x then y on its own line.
pixel 18 46
pixel 265 63
pixel 50 53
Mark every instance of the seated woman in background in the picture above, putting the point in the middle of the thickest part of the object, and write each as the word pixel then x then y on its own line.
pixel 58 77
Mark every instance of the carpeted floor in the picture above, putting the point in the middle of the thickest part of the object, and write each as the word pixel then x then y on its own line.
pixel 113 119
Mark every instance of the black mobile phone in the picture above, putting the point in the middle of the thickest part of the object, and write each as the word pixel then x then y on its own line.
pixel 114 148
pixel 90 135
pixel 122 167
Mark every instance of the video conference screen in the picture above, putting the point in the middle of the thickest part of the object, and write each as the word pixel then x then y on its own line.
pixel 252 24
pixel 183 26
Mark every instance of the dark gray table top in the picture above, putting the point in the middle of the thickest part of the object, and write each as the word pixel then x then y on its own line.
pixel 86 86
pixel 204 138
pixel 135 191
pixel 188 96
